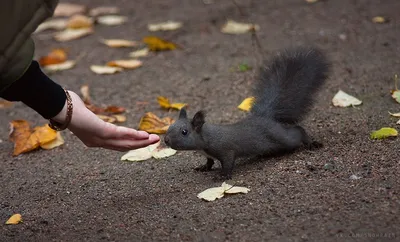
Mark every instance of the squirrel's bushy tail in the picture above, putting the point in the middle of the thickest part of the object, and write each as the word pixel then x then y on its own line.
pixel 287 85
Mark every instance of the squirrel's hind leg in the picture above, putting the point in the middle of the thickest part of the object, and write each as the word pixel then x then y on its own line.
pixel 306 139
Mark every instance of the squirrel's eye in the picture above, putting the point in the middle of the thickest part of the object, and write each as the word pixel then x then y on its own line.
pixel 184 131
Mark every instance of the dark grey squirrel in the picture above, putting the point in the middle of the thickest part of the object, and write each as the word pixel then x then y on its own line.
pixel 283 96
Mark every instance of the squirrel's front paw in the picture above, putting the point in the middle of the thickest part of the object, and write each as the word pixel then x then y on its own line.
pixel 203 168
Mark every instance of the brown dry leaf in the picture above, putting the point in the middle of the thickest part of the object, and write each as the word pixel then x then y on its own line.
pixel 14 219
pixel 79 22
pixel 119 118
pixel 119 43
pixel 165 103
pixel 95 109
pixel 157 44
pixel 106 118
pixel 139 53
pixel 5 104
pixel 165 26
pixel 103 11
pixel 153 124
pixel 114 109
pixel 71 34
pixel 105 69
pixel 126 64
pixel 53 144
pixel 60 67
pixel 56 24
pixel 24 140
pixel 68 9
pixel 112 20
pixel 56 56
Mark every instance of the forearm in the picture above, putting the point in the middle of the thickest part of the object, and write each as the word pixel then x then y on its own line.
pixel 38 91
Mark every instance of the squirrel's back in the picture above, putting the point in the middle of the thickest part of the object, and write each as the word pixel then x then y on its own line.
pixel 288 83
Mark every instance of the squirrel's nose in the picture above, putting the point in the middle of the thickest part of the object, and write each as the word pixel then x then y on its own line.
pixel 166 140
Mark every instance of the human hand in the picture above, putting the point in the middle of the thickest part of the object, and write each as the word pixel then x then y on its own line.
pixel 94 132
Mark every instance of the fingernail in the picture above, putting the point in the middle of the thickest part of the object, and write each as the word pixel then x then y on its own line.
pixel 143 134
pixel 154 137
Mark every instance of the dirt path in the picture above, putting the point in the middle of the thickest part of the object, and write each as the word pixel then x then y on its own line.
pixel 73 193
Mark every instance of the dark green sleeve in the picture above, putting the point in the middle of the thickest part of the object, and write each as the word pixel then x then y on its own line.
pixel 18 20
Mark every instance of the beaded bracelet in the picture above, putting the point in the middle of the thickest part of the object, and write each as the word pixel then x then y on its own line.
pixel 58 126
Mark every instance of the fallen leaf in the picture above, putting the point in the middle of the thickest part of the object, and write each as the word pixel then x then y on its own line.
pixel 398 122
pixel 114 110
pixel 118 43
pixel 14 219
pixel 157 44
pixel 85 94
pixel 395 114
pixel 152 151
pixel 379 20
pixel 396 95
pixel 139 53
pixel 56 24
pixel 214 193
pixel 5 104
pixel 153 124
pixel 71 34
pixel 79 22
pixel 53 144
pixel 105 69
pixel 233 27
pixel 311 1
pixel 107 118
pixel 246 104
pixel 60 67
pixel 112 20
pixel 165 26
pixel 95 109
pixel 383 133
pixel 68 9
pixel 163 152
pixel 342 99
pixel 24 140
pixel 126 64
pixel 119 118
pixel 56 56
pixel 103 11
pixel 164 103
pixel 355 177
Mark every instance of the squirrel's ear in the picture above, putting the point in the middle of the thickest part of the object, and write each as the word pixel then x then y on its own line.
pixel 182 113
pixel 198 120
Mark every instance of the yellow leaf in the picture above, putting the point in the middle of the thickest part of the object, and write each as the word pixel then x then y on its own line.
pixel 118 43
pixel 126 64
pixel 44 134
pixel 119 118
pixel 233 27
pixel 246 104
pixel 383 133
pixel 157 44
pixel 57 24
pixel 379 20
pixel 15 219
pixel 60 67
pixel 71 34
pixel 103 10
pixel 311 1
pixel 53 144
pixel 112 20
pixel 79 22
pixel 163 152
pixel 165 26
pixel 153 124
pixel 68 9
pixel 85 94
pixel 140 154
pixel 164 103
pixel 214 193
pixel 106 118
pixel 105 69
pixel 342 99
pixel 139 53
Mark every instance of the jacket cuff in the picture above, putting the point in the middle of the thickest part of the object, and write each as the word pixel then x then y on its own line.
pixel 38 91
